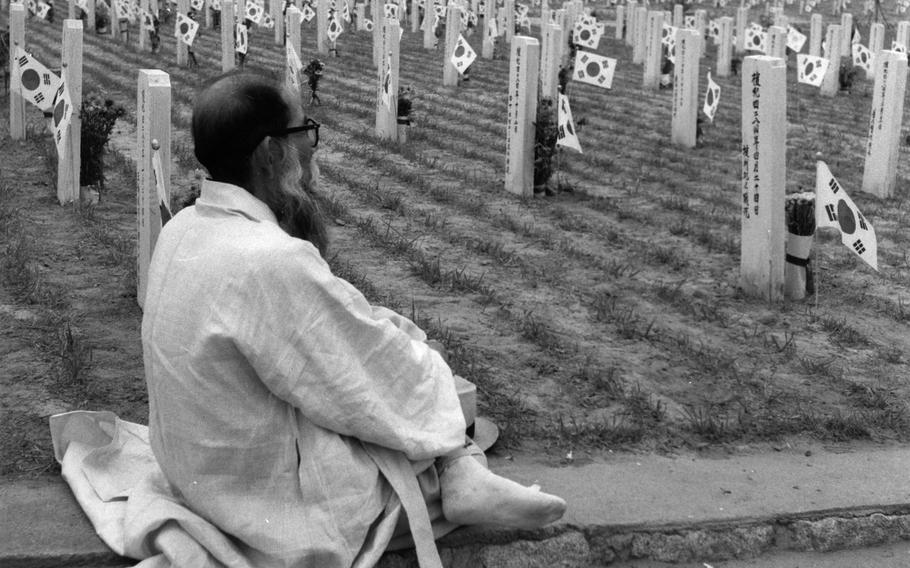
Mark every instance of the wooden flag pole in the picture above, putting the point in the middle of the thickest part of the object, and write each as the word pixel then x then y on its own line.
pixel 153 122
pixel 68 167
pixel 521 115
pixel 16 100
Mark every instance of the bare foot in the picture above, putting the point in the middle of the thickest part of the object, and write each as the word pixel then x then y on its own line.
pixel 473 495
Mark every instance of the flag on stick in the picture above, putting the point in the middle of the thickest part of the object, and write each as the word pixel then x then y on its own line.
pixel 834 208
pixel 566 126
pixel 712 98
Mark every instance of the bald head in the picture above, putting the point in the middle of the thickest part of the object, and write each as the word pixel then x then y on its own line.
pixel 231 117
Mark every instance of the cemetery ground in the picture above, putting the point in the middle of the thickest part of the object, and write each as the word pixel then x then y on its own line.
pixel 605 317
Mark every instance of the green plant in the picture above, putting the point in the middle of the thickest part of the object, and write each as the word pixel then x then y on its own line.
pixel 98 118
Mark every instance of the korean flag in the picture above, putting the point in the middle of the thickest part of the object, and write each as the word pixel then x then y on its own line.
pixel 334 30
pixel 898 47
pixel 862 57
pixel 668 35
pixel 39 85
pixel 215 5
pixel 267 21
pixel 123 9
pixel 242 37
pixel 386 93
pixel 755 39
pixel 32 6
pixel 586 33
pixel 714 31
pixel 565 135
pixel 43 10
pixel 63 114
pixel 712 98
pixel 795 39
pixel 368 24
pixel 186 28
pixel 254 12
pixel 346 13
pixel 308 13
pixel 834 208
pixel 197 5
pixel 391 10
pixel 689 22
pixel 810 69
pixel 463 55
pixel 594 69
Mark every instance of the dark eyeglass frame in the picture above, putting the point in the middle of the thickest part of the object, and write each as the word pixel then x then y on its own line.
pixel 308 124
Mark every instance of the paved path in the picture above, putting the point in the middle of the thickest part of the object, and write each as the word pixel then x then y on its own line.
pixel 687 509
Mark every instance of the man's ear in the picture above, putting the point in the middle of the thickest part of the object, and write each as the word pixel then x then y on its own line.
pixel 268 154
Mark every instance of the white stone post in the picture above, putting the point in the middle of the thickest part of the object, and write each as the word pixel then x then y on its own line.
pixel 764 131
pixel 777 40
pixel 685 88
pixel 183 57
pixel 876 45
pixel 489 7
pixel 429 16
pixel 453 29
pixel 725 46
pixel 153 122
pixel 701 25
pixel 903 34
pixel 322 26
pixel 742 17
pixel 228 59
pixel 208 19
pixel 90 16
pixel 115 19
pixel 509 8
pixel 846 39
pixel 815 35
pixel 831 83
pixel 387 115
pixel 522 114
pixel 550 49
pixel 16 100
pixel 620 21
pixel 294 18
pixel 631 14
pixel 640 39
pixel 654 51
pixel 277 7
pixel 880 173
pixel 68 166
pixel 415 16
pixel 678 16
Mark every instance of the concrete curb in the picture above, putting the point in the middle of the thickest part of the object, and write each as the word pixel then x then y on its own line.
pixel 576 547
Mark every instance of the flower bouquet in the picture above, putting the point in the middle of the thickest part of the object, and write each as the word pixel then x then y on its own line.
pixel 798 278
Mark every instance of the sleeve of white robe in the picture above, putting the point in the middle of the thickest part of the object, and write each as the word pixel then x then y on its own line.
pixel 316 342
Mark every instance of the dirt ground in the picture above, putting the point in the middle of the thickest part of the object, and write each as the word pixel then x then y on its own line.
pixel 600 319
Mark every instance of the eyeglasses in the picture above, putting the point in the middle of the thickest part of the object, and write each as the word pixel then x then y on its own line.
pixel 310 126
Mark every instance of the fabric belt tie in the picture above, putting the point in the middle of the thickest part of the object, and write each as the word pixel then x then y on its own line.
pixel 398 472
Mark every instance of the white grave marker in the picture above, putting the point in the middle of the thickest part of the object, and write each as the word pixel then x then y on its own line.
pixel 685 88
pixel 453 30
pixel 831 82
pixel 725 47
pixel 16 100
pixel 654 51
pixel 742 17
pixel 880 173
pixel 522 113
pixel 764 129
pixel 549 61
pixel 153 122
pixel 228 59
pixel 777 42
pixel 68 168
pixel 876 44
pixel 815 35
pixel 640 39
pixel 387 92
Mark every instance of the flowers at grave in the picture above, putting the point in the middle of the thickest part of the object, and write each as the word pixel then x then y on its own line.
pixel 565 126
pixel 800 215
pixel 314 71
pixel 810 69
pixel 834 208
pixel 98 117
pixel 712 98
pixel 594 69
pixel 405 105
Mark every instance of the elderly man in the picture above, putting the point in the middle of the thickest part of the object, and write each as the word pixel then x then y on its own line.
pixel 284 408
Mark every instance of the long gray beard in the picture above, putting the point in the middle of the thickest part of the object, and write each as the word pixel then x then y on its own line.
pixel 295 207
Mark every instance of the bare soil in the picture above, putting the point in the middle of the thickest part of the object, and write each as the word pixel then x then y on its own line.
pixel 603 318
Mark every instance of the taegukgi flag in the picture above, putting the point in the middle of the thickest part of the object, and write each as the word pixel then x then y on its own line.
pixel 834 208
